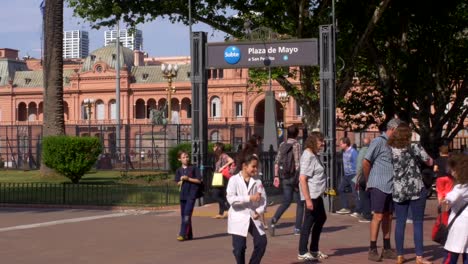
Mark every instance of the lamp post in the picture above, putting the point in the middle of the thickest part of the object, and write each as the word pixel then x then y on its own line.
pixel 88 102
pixel 284 99
pixel 169 72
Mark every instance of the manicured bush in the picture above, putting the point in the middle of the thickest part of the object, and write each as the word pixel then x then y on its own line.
pixel 71 156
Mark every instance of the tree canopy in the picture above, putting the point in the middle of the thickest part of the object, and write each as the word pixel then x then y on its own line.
pixel 411 56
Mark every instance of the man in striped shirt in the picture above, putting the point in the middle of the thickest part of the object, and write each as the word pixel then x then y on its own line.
pixel 377 167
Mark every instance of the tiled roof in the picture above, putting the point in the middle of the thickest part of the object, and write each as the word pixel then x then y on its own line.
pixel 105 54
pixel 153 74
pixel 8 69
pixel 35 78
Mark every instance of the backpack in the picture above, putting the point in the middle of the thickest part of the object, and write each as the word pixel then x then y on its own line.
pixel 286 162
pixel 201 187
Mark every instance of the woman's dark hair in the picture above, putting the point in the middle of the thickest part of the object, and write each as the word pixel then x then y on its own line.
pixel 246 159
pixel 459 163
pixel 312 141
pixel 401 137
pixel 293 131
pixel 220 146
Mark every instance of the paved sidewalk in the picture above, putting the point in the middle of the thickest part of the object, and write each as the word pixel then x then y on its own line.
pixel 150 237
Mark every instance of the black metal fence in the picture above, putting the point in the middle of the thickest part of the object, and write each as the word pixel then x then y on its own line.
pixel 88 194
pixel 141 146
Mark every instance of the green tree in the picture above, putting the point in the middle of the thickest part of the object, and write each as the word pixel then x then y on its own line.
pixel 54 123
pixel 416 58
pixel 293 18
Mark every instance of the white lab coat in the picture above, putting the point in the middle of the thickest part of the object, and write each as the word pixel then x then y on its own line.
pixel 457 239
pixel 242 209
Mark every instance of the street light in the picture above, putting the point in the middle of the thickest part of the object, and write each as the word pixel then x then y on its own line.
pixel 89 102
pixel 284 99
pixel 169 72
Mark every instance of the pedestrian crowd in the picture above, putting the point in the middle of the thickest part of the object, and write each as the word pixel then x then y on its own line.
pixel 384 179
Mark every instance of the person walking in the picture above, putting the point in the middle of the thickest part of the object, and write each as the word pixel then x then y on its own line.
pixel 444 180
pixel 364 199
pixel 349 172
pixel 457 200
pixel 219 193
pixel 189 180
pixel 312 183
pixel 377 168
pixel 287 169
pixel 247 197
pixel 409 192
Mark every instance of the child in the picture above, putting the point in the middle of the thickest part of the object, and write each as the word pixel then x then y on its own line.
pixel 247 198
pixel 189 180
pixel 457 239
pixel 445 181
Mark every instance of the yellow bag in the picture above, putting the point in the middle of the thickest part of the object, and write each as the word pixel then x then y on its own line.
pixel 217 180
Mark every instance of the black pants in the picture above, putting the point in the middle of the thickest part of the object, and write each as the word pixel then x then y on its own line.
pixel 239 244
pixel 219 195
pixel 312 226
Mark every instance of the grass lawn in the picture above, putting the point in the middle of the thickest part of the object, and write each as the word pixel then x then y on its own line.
pixel 96 188
pixel 93 177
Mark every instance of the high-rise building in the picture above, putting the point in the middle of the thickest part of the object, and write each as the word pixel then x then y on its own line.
pixel 75 44
pixel 132 39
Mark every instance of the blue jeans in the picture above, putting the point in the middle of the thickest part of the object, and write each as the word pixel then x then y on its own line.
pixel 290 191
pixel 186 211
pixel 347 182
pixel 417 208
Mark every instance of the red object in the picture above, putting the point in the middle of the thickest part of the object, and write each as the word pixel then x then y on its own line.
pixel 443 186
pixel 227 171
pixel 442 219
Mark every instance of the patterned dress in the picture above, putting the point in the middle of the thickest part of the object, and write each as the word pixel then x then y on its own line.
pixel 407 177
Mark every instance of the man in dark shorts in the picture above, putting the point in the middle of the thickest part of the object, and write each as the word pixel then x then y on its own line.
pixel 377 167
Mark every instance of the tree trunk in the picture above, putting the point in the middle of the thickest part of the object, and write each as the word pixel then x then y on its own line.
pixel 54 123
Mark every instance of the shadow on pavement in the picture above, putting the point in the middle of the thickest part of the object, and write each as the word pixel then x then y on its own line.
pixel 327 229
pixel 348 251
pixel 211 236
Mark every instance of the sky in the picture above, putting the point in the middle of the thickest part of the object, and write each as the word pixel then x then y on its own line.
pixel 20 29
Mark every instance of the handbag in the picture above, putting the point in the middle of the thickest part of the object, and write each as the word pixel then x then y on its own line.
pixel 217 180
pixel 441 229
pixel 228 171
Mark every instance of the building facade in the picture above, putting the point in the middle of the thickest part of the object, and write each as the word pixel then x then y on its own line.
pixel 75 44
pixel 132 39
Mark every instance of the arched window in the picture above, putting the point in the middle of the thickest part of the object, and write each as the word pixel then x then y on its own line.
pixel 22 112
pixel 140 109
pixel 215 107
pixel 112 110
pixel 32 112
pixel 215 136
pixel 100 110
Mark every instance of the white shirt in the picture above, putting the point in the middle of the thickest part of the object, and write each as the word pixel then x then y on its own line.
pixel 242 209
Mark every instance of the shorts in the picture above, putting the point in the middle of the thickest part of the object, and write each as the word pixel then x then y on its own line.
pixel 380 202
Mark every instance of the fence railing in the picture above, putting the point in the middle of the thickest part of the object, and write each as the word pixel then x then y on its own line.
pixel 89 194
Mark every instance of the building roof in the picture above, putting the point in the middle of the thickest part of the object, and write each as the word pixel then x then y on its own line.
pixel 25 79
pixel 153 74
pixel 8 69
pixel 107 55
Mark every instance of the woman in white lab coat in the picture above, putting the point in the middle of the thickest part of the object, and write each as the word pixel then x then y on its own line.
pixel 246 195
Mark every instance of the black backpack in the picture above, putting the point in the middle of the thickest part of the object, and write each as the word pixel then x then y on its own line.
pixel 286 162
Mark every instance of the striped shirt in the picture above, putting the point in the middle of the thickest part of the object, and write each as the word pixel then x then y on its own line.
pixel 379 155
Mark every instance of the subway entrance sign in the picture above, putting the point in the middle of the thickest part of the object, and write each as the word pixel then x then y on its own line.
pixel 298 52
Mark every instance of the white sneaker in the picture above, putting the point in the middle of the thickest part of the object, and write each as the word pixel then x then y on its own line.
pixel 355 214
pixel 306 256
pixel 319 255
pixel 343 211
pixel 409 221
